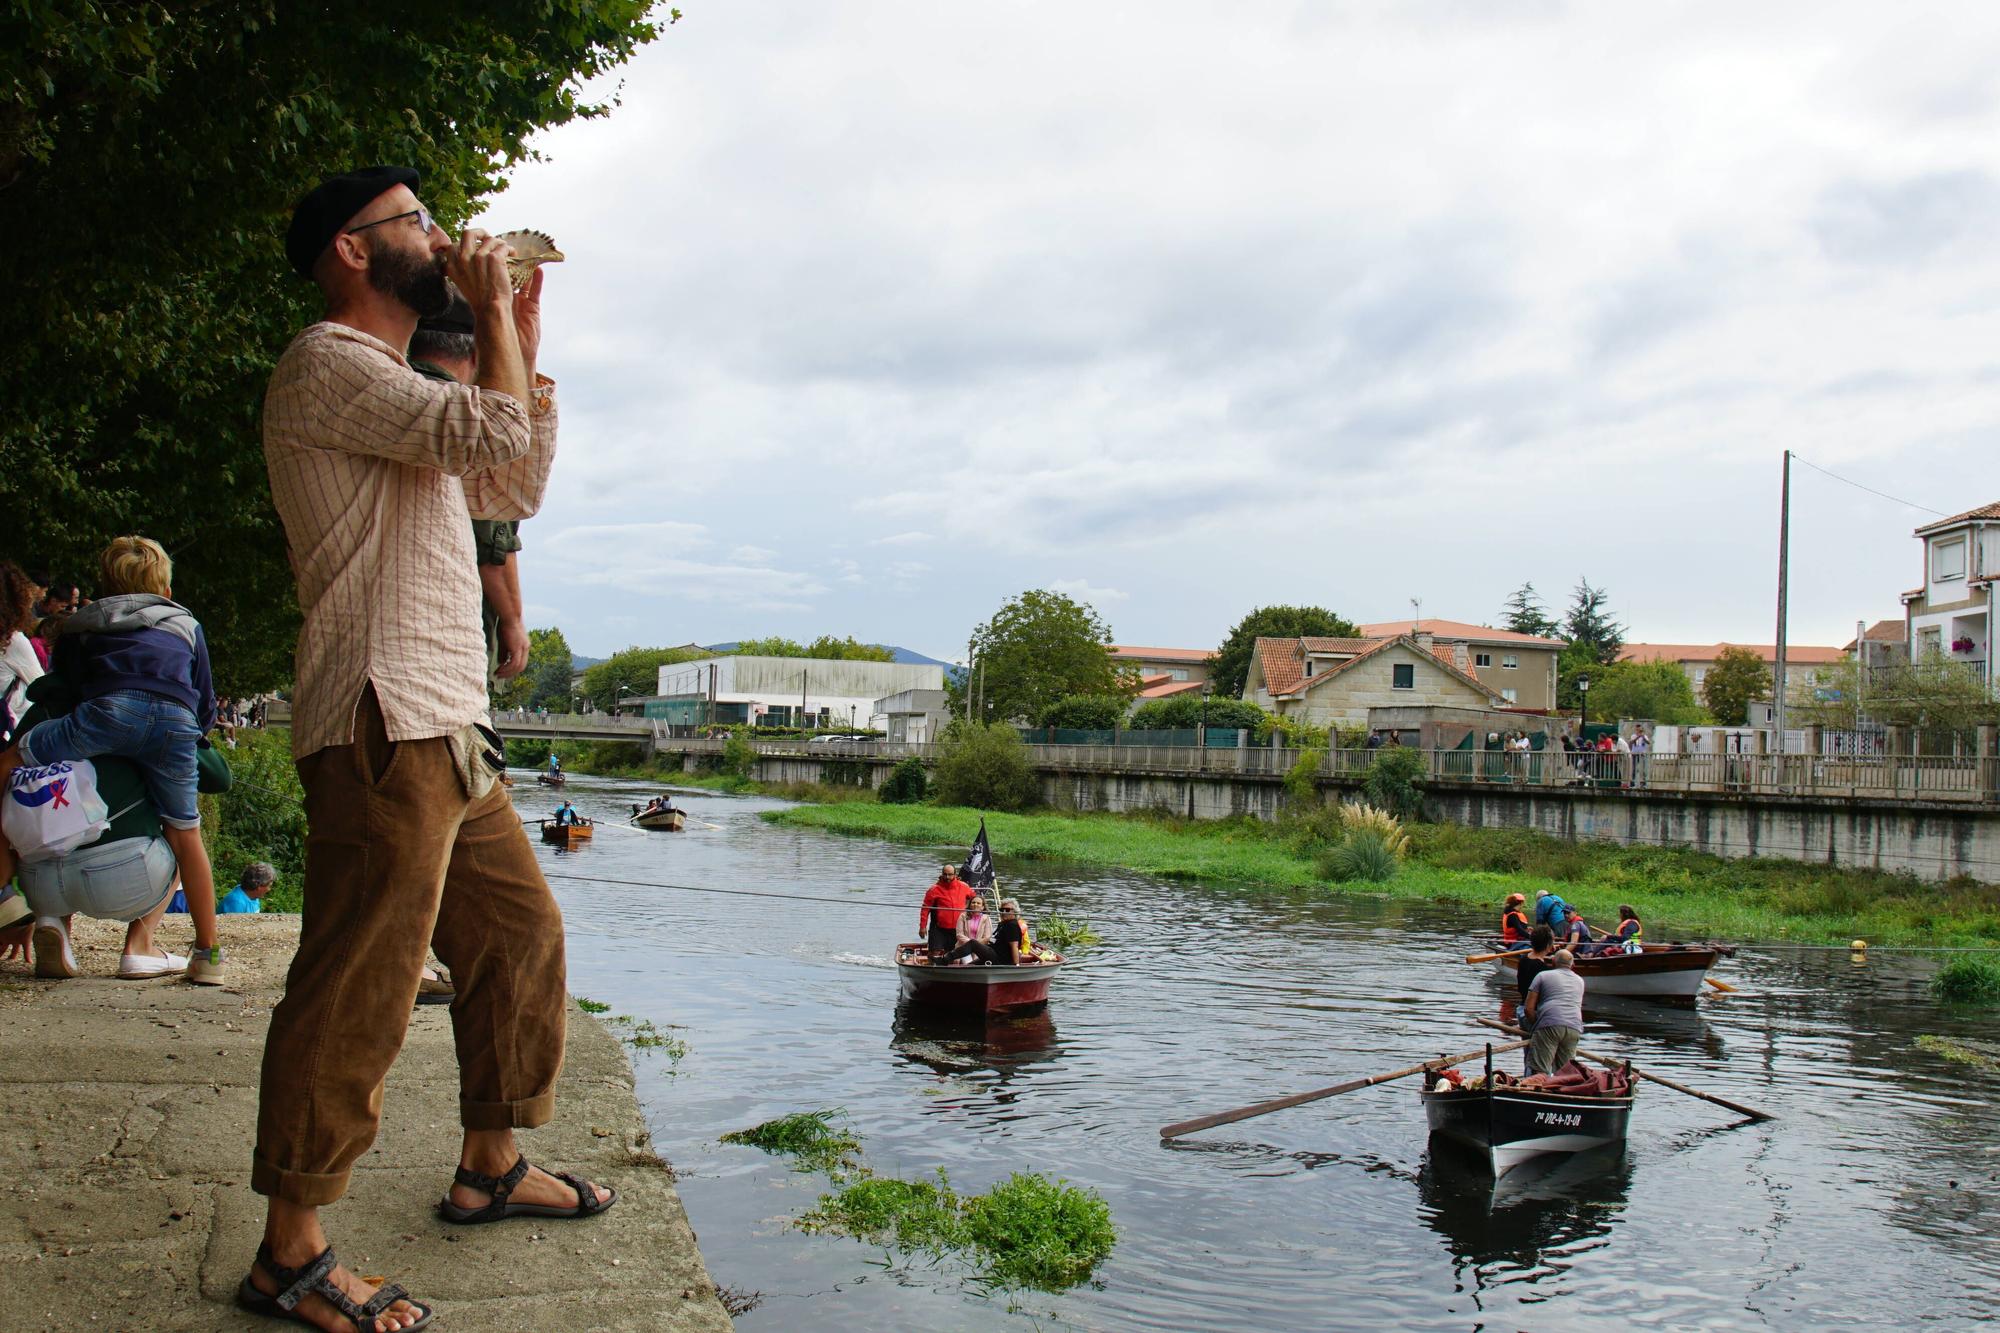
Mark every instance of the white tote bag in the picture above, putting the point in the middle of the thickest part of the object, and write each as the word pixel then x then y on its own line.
pixel 53 810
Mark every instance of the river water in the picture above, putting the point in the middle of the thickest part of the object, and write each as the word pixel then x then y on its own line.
pixel 1870 1200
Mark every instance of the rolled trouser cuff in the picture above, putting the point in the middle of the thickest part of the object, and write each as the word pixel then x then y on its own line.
pixel 303 1188
pixel 528 1113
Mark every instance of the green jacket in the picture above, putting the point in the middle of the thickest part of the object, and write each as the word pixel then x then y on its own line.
pixel 121 782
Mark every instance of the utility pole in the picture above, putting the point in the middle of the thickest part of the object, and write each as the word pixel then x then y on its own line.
pixel 1860 679
pixel 1784 557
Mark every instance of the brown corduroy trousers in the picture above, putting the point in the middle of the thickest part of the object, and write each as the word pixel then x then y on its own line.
pixel 398 859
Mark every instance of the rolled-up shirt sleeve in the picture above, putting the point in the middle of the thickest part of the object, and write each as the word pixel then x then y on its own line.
pixel 514 489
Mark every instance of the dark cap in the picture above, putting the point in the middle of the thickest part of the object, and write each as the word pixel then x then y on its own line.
pixel 457 318
pixel 321 214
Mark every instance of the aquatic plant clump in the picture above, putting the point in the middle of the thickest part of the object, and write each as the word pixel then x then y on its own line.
pixel 1967 981
pixel 1978 1054
pixel 910 1214
pixel 811 1137
pixel 1065 934
pixel 1363 858
pixel 1037 1232
pixel 1361 817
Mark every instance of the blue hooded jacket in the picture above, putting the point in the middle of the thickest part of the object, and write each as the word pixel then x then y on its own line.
pixel 138 641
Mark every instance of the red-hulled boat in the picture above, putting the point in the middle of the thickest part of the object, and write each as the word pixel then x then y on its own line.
pixel 1671 972
pixel 974 988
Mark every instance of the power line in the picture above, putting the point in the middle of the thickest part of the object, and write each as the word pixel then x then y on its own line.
pixel 1870 489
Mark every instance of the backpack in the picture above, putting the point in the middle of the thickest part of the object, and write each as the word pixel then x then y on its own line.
pixel 53 810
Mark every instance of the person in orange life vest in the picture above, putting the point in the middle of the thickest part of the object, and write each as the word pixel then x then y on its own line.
pixel 1629 929
pixel 1514 922
pixel 937 919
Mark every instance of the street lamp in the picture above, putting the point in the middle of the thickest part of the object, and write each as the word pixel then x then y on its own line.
pixel 1583 699
pixel 618 699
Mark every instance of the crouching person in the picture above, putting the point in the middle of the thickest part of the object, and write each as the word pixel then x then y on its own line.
pixel 127 873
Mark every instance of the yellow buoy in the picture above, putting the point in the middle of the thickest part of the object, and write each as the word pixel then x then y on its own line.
pixel 1859 946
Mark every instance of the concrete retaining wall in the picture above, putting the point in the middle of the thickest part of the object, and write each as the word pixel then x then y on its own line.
pixel 1934 841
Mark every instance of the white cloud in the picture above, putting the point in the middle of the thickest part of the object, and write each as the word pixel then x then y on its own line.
pixel 1337 304
pixel 1083 591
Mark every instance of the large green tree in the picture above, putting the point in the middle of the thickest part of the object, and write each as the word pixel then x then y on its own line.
pixel 150 155
pixel 1230 666
pixel 1038 648
pixel 1738 676
pixel 1589 627
pixel 1525 614
pixel 631 671
pixel 1653 691
pixel 545 681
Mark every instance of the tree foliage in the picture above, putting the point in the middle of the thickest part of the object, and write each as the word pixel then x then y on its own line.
pixel 1188 710
pixel 544 683
pixel 150 156
pixel 1525 614
pixel 1038 648
pixel 825 648
pixel 906 784
pixel 1085 712
pixel 1655 691
pixel 1230 667
pixel 1738 676
pixel 1395 782
pixel 637 670
pixel 1589 627
pixel 985 767
pixel 1934 691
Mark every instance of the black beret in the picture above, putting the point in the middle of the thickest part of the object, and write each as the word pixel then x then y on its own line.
pixel 457 318
pixel 321 214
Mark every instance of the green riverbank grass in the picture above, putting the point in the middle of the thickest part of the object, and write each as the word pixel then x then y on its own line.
pixel 1679 894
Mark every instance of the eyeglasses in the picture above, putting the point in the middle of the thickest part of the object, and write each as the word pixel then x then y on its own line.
pixel 422 215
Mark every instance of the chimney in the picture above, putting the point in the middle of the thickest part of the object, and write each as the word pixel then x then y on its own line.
pixel 1424 640
pixel 1460 658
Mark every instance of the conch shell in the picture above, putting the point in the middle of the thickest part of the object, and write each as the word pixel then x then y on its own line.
pixel 530 248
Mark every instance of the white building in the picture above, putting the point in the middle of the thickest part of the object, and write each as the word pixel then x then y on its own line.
pixel 784 691
pixel 1950 615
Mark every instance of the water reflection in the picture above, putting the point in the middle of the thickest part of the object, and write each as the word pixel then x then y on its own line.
pixel 1498 1229
pixel 948 1044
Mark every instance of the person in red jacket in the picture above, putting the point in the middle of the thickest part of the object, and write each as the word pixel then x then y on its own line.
pixel 937 919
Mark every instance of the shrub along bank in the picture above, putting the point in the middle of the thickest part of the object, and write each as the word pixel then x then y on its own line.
pixel 1679 894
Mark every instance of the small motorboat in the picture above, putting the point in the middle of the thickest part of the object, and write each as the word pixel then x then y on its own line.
pixel 567 835
pixel 551 779
pixel 1658 972
pixel 666 820
pixel 1511 1120
pixel 974 987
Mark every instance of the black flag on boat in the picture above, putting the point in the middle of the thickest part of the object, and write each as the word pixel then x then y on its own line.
pixel 978 868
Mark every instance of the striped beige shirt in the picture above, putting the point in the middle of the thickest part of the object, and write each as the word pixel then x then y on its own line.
pixel 373 469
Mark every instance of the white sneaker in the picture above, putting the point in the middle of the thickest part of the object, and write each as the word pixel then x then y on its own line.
pixel 139 966
pixel 53 956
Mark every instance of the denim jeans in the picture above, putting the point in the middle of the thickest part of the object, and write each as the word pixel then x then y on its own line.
pixel 111 881
pixel 149 729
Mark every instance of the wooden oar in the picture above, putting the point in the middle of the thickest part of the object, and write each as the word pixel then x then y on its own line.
pixel 1740 1109
pixel 1489 957
pixel 1720 985
pixel 1301 1098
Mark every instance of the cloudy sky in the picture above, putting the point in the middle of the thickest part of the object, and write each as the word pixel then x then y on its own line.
pixel 878 313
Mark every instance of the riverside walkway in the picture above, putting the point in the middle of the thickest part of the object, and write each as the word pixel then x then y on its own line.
pixel 129 1111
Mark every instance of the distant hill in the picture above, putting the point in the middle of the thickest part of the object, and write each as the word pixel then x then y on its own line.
pixel 577 661
pixel 906 656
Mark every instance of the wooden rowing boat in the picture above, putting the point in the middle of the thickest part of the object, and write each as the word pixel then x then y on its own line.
pixel 566 835
pixel 1670 972
pixel 973 988
pixel 660 821
pixel 551 779
pixel 1510 1124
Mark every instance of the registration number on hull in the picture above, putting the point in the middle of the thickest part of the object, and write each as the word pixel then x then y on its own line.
pixel 1565 1119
